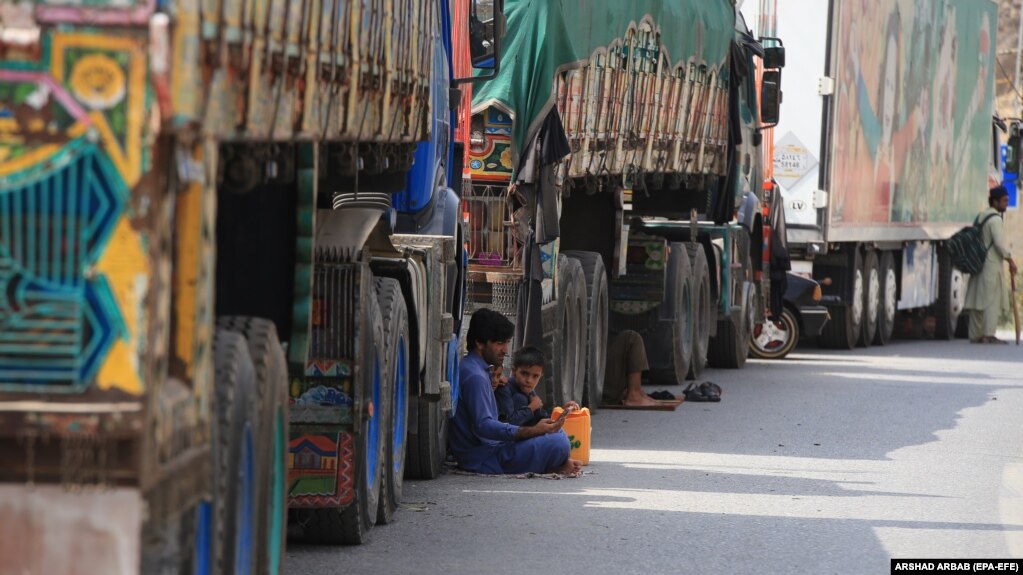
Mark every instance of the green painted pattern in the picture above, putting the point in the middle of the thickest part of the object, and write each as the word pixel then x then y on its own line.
pixel 277 509
pixel 298 347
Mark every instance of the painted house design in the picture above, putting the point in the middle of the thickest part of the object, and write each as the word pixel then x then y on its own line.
pixel 320 470
pixel 313 452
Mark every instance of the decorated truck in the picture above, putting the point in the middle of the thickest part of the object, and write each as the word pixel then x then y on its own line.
pixel 230 276
pixel 883 152
pixel 607 156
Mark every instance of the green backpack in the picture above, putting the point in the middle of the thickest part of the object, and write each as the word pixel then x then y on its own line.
pixel 967 247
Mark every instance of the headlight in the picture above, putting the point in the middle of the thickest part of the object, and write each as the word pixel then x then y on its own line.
pixel 817 293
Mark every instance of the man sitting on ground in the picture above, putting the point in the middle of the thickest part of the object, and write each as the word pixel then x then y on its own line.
pixel 480 442
pixel 623 377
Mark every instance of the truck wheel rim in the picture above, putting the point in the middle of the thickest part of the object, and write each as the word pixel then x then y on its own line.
pixel 958 297
pixel 687 321
pixel 874 292
pixel 203 538
pixel 373 435
pixel 889 296
pixel 400 397
pixel 246 507
pixel 857 302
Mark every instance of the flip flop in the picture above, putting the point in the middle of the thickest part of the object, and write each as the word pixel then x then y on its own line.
pixel 692 393
pixel 711 391
pixel 662 395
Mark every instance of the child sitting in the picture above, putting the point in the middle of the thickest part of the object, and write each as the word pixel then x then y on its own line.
pixel 497 377
pixel 518 403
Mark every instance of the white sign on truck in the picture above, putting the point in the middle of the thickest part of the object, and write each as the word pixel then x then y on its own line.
pixel 792 160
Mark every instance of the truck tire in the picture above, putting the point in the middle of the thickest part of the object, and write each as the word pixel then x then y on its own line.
pixel 889 299
pixel 271 463
pixel 951 295
pixel 871 299
pixel 730 347
pixel 352 524
pixel 394 404
pixel 703 313
pixel 234 452
pixel 178 545
pixel 671 347
pixel 570 345
pixel 596 325
pixel 842 331
pixel 427 446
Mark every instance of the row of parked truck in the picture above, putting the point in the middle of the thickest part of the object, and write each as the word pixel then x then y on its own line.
pixel 238 238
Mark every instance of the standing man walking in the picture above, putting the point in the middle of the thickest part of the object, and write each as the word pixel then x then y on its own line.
pixel 986 295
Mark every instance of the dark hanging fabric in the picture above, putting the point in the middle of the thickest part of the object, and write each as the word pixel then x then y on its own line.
pixel 529 324
pixel 537 176
pixel 537 189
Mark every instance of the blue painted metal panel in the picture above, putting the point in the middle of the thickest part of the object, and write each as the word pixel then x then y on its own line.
pixel 1010 181
pixel 58 318
pixel 434 155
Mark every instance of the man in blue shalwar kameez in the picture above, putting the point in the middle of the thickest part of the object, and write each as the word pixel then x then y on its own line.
pixel 477 439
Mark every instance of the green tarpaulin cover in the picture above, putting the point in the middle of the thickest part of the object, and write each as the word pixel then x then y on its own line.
pixel 545 36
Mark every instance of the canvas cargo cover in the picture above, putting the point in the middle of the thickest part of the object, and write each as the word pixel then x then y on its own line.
pixel 546 36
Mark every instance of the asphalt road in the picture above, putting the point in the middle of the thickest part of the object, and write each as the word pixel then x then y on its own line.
pixel 827 462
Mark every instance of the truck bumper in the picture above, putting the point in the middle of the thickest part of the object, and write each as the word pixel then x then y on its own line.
pixel 40 524
pixel 814 319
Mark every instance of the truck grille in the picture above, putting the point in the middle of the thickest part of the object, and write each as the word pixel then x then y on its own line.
pixel 333 311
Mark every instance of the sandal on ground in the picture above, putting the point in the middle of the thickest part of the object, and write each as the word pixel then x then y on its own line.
pixel 662 395
pixel 704 392
pixel 711 391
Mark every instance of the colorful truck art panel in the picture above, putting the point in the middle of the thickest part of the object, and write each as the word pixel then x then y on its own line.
pixel 74 271
pixel 94 11
pixel 107 75
pixel 320 469
pixel 490 147
pixel 60 202
pixel 913 111
pixel 324 395
pixel 37 116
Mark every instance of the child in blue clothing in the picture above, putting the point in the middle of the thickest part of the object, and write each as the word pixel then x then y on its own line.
pixel 517 402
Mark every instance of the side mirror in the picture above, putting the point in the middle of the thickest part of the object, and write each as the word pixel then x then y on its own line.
pixel 770 98
pixel 1012 149
pixel 483 32
pixel 774 57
